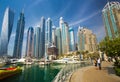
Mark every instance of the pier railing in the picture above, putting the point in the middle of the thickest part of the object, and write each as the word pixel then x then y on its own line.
pixel 69 69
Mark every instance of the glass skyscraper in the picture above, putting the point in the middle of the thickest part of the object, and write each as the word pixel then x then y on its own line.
pixel 65 36
pixel 72 39
pixel 111 18
pixel 37 44
pixel 19 36
pixel 6 31
pixel 30 42
pixel 48 35
pixel 48 32
pixel 58 40
pixel 42 40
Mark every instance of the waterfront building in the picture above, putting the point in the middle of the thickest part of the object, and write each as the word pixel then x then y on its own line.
pixel 72 39
pixel 37 45
pixel 6 30
pixel 86 40
pixel 111 19
pixel 48 36
pixel 65 36
pixel 58 40
pixel 19 36
pixel 54 35
pixel 42 38
pixel 30 42
pixel 48 32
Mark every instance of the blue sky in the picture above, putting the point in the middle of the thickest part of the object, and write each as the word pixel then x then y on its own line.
pixel 76 12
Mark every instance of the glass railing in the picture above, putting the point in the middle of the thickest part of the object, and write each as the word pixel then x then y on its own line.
pixel 65 72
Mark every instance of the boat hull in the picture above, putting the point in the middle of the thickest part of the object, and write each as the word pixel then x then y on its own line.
pixel 8 73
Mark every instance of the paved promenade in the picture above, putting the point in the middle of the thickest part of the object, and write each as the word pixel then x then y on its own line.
pixel 91 74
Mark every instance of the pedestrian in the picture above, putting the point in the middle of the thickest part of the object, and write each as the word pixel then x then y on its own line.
pixel 95 62
pixel 99 63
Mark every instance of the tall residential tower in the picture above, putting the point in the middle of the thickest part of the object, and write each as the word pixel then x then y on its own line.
pixel 86 40
pixel 30 42
pixel 65 36
pixel 19 36
pixel 111 18
pixel 6 31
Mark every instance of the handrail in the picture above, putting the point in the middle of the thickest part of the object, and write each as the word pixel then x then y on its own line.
pixel 68 69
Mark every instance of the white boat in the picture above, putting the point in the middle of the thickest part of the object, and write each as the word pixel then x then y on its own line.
pixel 21 61
pixel 65 61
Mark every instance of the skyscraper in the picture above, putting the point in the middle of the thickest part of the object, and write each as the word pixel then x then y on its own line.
pixel 111 18
pixel 65 36
pixel 81 39
pixel 48 32
pixel 54 35
pixel 86 40
pixel 19 36
pixel 30 42
pixel 42 40
pixel 48 36
pixel 6 30
pixel 58 40
pixel 37 43
pixel 72 39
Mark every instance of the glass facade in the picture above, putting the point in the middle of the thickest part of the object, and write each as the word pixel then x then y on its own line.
pixel 42 40
pixel 37 35
pixel 72 39
pixel 111 19
pixel 29 43
pixel 48 36
pixel 19 36
pixel 65 36
pixel 58 40
pixel 6 31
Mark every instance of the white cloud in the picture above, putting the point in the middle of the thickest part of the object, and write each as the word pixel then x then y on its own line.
pixel 36 2
pixel 84 19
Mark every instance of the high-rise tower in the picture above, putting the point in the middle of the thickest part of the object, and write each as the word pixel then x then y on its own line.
pixel 86 40
pixel 37 43
pixel 65 36
pixel 42 40
pixel 111 18
pixel 19 36
pixel 6 30
pixel 58 40
pixel 30 42
pixel 72 39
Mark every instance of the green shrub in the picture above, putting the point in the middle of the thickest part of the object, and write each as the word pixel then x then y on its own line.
pixel 117 71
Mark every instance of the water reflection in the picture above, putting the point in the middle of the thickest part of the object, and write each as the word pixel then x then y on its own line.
pixel 35 73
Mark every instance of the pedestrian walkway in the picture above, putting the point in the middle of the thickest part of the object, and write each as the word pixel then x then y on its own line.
pixel 91 74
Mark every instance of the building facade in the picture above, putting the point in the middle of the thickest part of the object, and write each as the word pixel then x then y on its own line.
pixel 37 37
pixel 54 35
pixel 58 40
pixel 72 39
pixel 86 40
pixel 42 38
pixel 65 36
pixel 111 19
pixel 6 31
pixel 19 36
pixel 30 42
pixel 48 36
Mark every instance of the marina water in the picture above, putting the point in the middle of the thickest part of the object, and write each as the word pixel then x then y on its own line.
pixel 35 73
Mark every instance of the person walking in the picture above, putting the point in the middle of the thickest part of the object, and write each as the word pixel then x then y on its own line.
pixel 99 63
